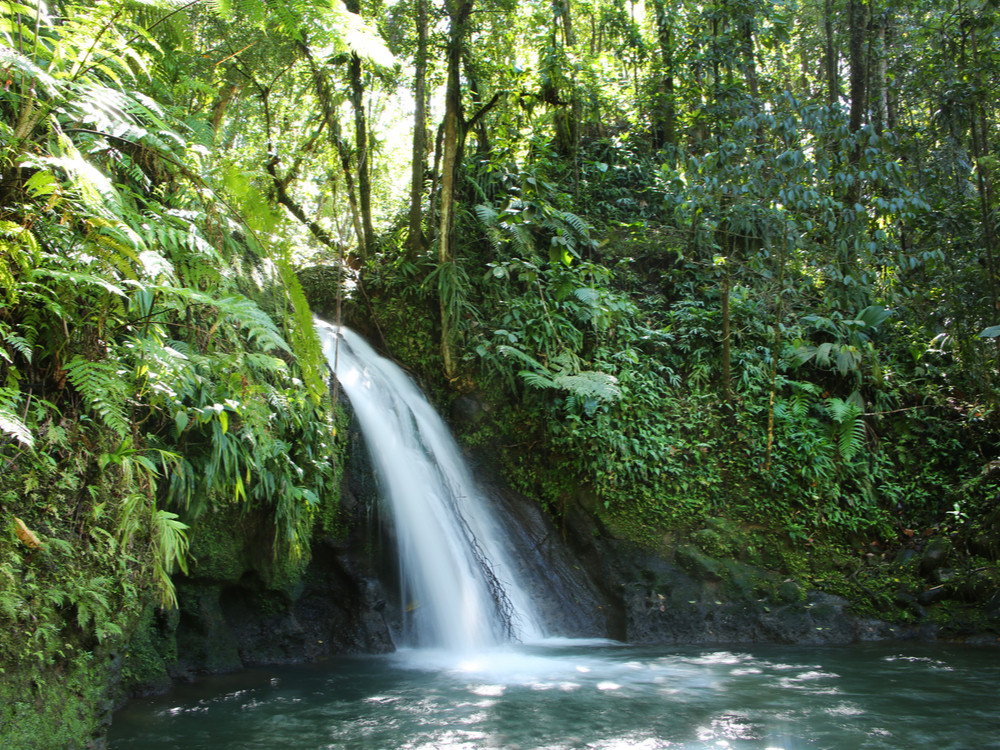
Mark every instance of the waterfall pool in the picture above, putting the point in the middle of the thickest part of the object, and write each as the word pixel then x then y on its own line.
pixel 462 690
pixel 575 694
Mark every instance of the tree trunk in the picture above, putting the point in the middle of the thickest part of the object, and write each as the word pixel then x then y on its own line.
pixel 830 56
pixel 415 243
pixel 859 100
pixel 664 120
pixel 458 12
pixel 859 66
pixel 727 356
pixel 979 130
pixel 882 76
pixel 566 119
pixel 747 52
pixel 352 195
pixel 221 104
pixel 366 242
pixel 325 98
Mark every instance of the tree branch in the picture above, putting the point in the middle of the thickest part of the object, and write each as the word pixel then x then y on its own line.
pixel 295 209
pixel 483 110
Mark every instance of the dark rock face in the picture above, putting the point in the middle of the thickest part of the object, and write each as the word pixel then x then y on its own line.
pixel 935 555
pixel 691 598
pixel 567 600
pixel 235 612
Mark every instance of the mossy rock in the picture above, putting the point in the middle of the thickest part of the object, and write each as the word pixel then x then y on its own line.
pixel 218 541
pixel 150 650
pixel 790 592
pixel 979 586
pixel 698 564
pixel 710 542
pixel 55 708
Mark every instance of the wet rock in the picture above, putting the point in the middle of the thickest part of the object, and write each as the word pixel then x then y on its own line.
pixel 935 555
pixel 700 565
pixel 908 602
pixel 790 592
pixel 932 595
pixel 467 410
pixel 568 601
pixel 941 576
pixel 710 542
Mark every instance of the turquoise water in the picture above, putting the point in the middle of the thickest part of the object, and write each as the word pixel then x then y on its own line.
pixel 591 695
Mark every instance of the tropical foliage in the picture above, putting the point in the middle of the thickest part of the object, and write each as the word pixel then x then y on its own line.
pixel 729 258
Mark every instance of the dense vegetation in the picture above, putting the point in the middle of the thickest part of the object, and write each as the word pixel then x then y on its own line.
pixel 729 259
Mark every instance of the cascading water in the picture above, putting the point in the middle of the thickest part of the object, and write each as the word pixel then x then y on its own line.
pixel 459 586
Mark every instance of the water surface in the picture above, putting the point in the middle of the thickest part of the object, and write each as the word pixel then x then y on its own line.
pixel 566 694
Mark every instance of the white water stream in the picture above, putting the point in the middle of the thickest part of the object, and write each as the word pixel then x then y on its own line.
pixel 460 589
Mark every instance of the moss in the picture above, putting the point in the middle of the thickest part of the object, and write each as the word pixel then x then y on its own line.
pixel 63 707
pixel 285 574
pixel 150 651
pixel 218 541
pixel 227 542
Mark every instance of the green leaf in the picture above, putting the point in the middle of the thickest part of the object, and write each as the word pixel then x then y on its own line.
pixel 874 315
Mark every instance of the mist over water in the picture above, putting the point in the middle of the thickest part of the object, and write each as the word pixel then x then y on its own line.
pixel 566 695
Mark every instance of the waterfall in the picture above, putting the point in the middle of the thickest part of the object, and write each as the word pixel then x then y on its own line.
pixel 459 586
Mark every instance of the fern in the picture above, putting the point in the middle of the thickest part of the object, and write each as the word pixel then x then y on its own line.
pixel 18 343
pixel 18 253
pixel 511 351
pixel 170 549
pixel 849 426
pixel 302 334
pixel 11 425
pixel 236 310
pixel 590 384
pixel 103 389
pixel 568 377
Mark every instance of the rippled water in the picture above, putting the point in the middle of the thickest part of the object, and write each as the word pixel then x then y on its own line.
pixel 591 695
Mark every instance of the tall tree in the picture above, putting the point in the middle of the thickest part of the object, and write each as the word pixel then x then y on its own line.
pixel 452 147
pixel 366 243
pixel 415 240
pixel 665 119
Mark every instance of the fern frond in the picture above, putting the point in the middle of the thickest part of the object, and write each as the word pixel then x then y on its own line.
pixel 263 364
pixel 240 311
pixel 18 343
pixel 537 379
pixel 800 403
pixel 19 251
pixel 12 425
pixel 510 351
pixel 849 426
pixel 852 438
pixel 590 384
pixel 486 214
pixel 578 225
pixel 77 278
pixel 170 549
pixel 302 334
pixel 103 389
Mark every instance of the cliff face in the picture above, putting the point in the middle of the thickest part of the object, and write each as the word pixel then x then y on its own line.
pixel 240 607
